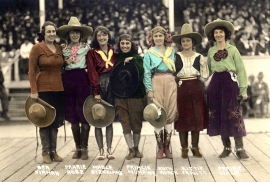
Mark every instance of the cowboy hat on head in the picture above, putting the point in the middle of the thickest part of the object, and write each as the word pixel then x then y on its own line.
pixel 98 114
pixel 186 31
pixel 155 114
pixel 124 79
pixel 218 22
pixel 39 112
pixel 74 24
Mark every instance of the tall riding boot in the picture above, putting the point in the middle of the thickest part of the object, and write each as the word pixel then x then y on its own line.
pixel 159 138
pixel 128 138
pixel 195 135
pixel 184 144
pixel 136 141
pixel 55 156
pixel 239 148
pixel 45 141
pixel 75 128
pixel 227 147
pixel 99 139
pixel 85 129
pixel 167 139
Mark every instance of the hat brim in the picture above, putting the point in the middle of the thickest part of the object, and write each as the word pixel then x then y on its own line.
pixel 50 112
pixel 210 26
pixel 162 120
pixel 124 79
pixel 87 111
pixel 62 31
pixel 194 35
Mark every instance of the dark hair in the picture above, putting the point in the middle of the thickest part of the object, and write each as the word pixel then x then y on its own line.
pixel 104 30
pixel 74 30
pixel 41 34
pixel 134 48
pixel 224 29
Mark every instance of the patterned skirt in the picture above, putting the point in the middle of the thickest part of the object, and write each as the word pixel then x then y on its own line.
pixel 225 113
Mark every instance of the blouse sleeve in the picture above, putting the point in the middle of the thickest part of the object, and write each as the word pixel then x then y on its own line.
pixel 204 71
pixel 33 61
pixel 147 80
pixel 209 63
pixel 92 73
pixel 240 72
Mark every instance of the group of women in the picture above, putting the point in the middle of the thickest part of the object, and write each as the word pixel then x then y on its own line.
pixel 70 73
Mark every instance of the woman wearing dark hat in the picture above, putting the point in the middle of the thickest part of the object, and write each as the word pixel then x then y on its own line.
pixel 228 85
pixel 76 82
pixel 100 61
pixel 191 72
pixel 129 101
pixel 160 84
pixel 46 57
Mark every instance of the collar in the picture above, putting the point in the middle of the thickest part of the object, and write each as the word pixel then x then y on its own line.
pixel 48 52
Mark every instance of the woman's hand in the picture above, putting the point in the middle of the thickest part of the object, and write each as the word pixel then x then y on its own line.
pixel 68 60
pixel 150 95
pixel 245 97
pixel 34 96
pixel 97 98
pixel 127 60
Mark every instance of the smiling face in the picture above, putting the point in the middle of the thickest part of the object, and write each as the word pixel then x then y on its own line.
pixel 186 43
pixel 125 46
pixel 158 38
pixel 74 36
pixel 102 38
pixel 50 33
pixel 219 35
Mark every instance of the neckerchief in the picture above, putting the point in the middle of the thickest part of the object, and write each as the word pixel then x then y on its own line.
pixel 104 57
pixel 167 61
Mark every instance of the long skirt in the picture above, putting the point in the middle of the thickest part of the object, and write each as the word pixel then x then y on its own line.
pixel 191 104
pixel 165 92
pixel 76 89
pixel 56 99
pixel 225 112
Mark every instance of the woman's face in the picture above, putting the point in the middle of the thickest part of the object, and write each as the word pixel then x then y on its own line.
pixel 74 36
pixel 186 43
pixel 125 46
pixel 50 33
pixel 219 35
pixel 158 38
pixel 102 38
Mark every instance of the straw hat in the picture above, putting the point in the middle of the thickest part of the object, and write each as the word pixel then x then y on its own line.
pixel 98 114
pixel 218 22
pixel 186 31
pixel 155 114
pixel 39 112
pixel 124 79
pixel 73 24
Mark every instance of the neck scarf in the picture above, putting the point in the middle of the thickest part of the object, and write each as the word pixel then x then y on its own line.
pixel 167 61
pixel 105 58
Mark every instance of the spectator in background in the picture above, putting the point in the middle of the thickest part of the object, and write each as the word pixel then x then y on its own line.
pixel 24 58
pixel 4 56
pixel 262 47
pixel 243 45
pixel 260 97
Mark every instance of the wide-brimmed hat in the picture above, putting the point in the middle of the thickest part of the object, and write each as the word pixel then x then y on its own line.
pixel 124 79
pixel 74 24
pixel 155 114
pixel 98 114
pixel 218 22
pixel 39 112
pixel 186 31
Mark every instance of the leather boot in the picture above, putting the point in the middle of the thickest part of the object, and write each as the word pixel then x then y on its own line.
pixel 131 154
pixel 136 141
pixel 195 135
pixel 55 157
pixel 167 139
pixel 45 142
pixel 239 148
pixel 75 128
pixel 85 129
pixel 227 147
pixel 183 136
pixel 159 138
